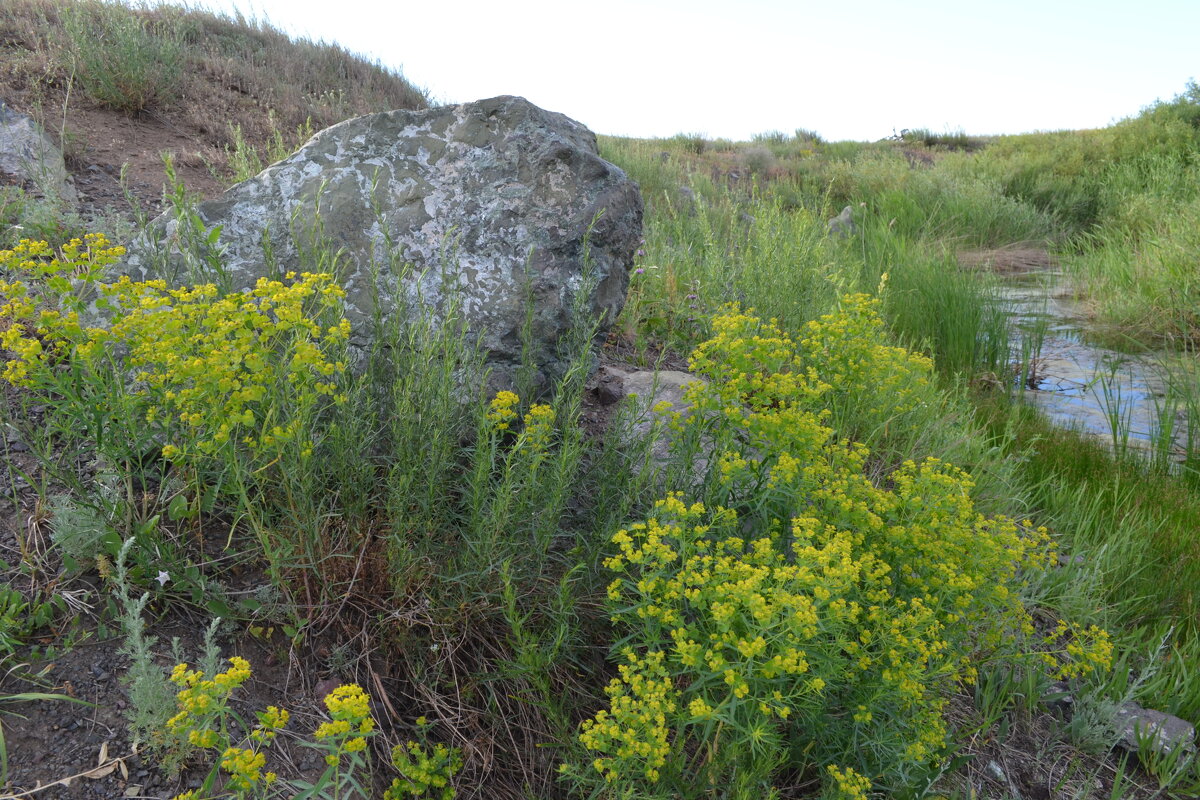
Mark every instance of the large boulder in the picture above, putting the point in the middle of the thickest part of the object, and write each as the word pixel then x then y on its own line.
pixel 29 159
pixel 494 203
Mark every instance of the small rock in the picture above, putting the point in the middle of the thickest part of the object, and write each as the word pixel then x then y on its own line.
pixel 29 159
pixel 1168 732
pixel 843 225
pixel 325 687
pixel 608 385
pixel 652 388
pixel 1058 698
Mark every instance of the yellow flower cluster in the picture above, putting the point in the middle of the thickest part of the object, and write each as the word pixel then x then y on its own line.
pixel 808 589
pixel 1080 651
pixel 79 259
pixel 270 722
pixel 199 700
pixel 633 734
pixel 756 363
pixel 501 412
pixel 350 709
pixel 539 427
pixel 244 767
pixel 25 326
pixel 425 773
pixel 850 785
pixel 246 367
pixel 203 705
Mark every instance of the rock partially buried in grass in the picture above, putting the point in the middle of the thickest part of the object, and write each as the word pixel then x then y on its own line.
pixel 30 160
pixel 843 225
pixel 1163 733
pixel 654 398
pixel 490 202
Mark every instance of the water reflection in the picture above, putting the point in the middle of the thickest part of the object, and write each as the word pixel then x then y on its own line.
pixel 1132 400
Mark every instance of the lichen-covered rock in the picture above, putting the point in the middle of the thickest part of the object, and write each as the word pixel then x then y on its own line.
pixel 29 159
pixel 491 202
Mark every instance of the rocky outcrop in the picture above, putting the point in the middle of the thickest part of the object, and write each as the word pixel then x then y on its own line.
pixel 487 204
pixel 29 159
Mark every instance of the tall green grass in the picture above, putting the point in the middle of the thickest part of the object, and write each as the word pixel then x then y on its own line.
pixel 124 61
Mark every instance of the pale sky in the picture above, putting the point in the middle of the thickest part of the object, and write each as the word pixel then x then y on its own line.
pixel 848 69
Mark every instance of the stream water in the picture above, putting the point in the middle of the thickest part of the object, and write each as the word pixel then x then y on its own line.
pixel 1131 400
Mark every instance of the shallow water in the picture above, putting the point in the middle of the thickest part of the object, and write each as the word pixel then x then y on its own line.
pixel 1119 397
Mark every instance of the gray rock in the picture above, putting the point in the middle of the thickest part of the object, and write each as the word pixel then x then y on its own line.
pixel 843 224
pixel 30 160
pixel 1058 698
pixel 1168 732
pixel 485 203
pixel 647 389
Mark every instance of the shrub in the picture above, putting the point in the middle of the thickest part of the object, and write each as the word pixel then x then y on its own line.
pixel 802 616
pixel 228 388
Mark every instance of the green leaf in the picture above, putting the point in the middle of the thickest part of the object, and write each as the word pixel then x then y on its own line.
pixel 180 508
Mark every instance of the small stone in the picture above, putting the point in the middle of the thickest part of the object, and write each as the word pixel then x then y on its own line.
pixel 1167 732
pixel 1058 698
pixel 29 159
pixel 608 385
pixel 843 225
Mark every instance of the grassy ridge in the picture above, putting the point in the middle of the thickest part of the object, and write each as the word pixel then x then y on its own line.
pixel 218 78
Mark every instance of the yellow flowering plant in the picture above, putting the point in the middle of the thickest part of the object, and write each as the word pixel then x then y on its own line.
pixel 205 721
pixel 228 387
pixel 802 614
pixel 211 372
pixel 425 771
pixel 509 466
